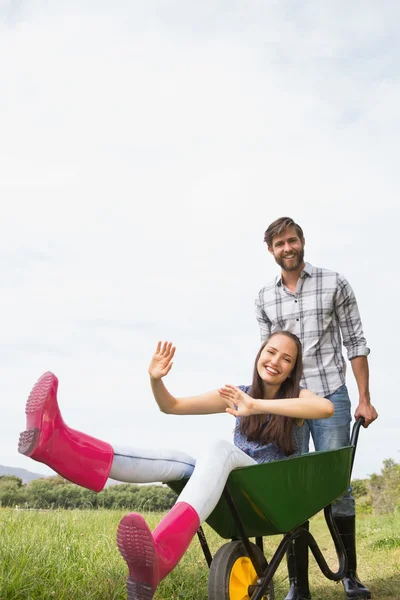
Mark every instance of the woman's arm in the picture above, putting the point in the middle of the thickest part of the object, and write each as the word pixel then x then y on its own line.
pixel 307 406
pixel 203 404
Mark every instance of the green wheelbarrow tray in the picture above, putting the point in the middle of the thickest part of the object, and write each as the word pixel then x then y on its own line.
pixel 276 497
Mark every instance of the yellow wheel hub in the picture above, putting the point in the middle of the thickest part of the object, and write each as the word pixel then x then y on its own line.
pixel 243 574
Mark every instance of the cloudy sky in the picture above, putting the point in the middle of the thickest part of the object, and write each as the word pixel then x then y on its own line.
pixel 144 149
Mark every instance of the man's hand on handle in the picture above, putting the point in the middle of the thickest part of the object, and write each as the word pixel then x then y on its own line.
pixel 367 411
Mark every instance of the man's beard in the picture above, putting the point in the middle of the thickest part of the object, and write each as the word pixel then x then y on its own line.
pixel 294 265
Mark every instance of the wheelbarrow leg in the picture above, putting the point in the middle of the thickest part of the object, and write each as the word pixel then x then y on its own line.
pixel 353 587
pixel 297 563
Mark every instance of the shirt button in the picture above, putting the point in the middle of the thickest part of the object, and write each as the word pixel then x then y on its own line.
pixel 297 319
pixel 295 300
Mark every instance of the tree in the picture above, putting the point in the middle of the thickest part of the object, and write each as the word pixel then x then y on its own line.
pixel 385 488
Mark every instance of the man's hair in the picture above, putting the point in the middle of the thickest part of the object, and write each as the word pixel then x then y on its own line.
pixel 278 227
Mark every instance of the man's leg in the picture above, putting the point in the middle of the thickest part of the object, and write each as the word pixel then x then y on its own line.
pixel 332 433
pixel 329 434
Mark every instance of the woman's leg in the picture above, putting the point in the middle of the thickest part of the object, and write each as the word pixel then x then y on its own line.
pixel 83 459
pixel 151 556
pixel 140 465
pixel 210 475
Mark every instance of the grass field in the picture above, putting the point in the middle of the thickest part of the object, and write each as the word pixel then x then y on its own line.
pixel 72 555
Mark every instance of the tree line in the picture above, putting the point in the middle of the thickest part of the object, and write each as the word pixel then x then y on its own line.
pixel 379 494
pixel 56 492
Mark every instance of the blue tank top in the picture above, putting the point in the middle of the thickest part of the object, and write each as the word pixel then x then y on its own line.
pixel 267 452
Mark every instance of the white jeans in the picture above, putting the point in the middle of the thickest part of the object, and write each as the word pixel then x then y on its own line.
pixel 208 475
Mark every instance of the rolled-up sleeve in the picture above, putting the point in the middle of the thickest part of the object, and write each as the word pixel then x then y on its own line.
pixel 349 320
pixel 263 321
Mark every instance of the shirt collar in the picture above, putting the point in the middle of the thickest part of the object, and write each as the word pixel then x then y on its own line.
pixel 306 272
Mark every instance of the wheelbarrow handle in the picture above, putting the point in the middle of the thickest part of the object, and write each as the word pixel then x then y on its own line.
pixel 356 430
pixel 354 437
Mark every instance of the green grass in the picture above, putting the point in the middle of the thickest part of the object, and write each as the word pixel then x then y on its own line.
pixel 72 555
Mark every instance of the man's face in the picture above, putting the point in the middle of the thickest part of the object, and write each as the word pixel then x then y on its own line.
pixel 288 249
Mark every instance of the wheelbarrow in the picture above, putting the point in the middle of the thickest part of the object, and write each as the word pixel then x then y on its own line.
pixel 269 499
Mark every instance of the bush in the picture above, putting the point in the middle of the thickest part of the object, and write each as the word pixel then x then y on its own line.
pixel 360 487
pixel 384 489
pixel 56 492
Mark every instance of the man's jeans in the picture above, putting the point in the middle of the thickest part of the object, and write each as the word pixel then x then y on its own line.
pixel 329 434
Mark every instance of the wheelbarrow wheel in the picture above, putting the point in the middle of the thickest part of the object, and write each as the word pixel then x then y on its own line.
pixel 232 572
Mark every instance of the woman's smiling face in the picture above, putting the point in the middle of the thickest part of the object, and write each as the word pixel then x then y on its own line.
pixel 277 359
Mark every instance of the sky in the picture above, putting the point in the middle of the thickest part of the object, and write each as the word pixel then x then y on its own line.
pixel 144 150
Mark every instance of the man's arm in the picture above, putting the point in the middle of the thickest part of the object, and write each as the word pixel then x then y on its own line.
pixel 353 338
pixel 263 321
pixel 359 364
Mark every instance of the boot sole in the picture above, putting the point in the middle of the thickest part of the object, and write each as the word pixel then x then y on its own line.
pixel 28 439
pixel 136 546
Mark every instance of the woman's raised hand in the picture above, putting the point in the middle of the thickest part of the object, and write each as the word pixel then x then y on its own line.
pixel 236 397
pixel 161 362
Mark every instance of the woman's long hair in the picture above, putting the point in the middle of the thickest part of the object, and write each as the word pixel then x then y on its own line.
pixel 279 428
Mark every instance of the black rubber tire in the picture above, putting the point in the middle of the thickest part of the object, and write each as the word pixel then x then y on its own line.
pixel 221 567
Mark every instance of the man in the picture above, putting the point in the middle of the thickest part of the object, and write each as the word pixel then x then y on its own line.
pixel 319 306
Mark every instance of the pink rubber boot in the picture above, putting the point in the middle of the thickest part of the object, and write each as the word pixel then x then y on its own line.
pixel 76 456
pixel 151 556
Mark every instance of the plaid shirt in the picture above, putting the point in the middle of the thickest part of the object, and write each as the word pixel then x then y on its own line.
pixel 322 310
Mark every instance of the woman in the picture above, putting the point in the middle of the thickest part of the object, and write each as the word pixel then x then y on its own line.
pixel 269 415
